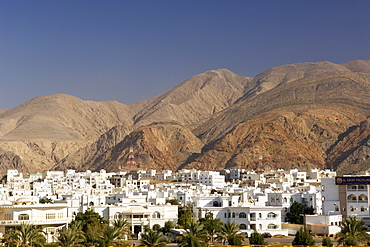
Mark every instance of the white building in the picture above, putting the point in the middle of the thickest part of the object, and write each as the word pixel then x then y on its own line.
pixel 210 178
pixel 50 217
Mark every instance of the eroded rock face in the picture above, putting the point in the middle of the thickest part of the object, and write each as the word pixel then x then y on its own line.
pixel 301 115
pixel 157 146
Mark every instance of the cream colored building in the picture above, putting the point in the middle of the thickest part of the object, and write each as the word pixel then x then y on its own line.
pixel 50 217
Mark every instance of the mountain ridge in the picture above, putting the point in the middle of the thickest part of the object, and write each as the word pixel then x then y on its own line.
pixel 213 120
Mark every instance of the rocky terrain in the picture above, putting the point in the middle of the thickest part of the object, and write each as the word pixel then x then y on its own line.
pixel 300 115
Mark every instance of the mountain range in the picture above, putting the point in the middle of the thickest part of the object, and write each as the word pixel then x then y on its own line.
pixel 303 115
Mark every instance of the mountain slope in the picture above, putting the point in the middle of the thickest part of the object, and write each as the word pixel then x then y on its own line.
pixel 40 133
pixel 193 100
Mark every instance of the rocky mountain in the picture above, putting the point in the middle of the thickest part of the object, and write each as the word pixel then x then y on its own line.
pixel 300 115
pixel 37 135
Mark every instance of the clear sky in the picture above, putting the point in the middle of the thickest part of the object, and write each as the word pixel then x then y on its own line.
pixel 131 50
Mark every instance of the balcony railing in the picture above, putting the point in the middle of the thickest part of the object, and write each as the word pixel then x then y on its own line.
pixel 34 222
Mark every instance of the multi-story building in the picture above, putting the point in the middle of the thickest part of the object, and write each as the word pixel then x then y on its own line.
pixel 50 217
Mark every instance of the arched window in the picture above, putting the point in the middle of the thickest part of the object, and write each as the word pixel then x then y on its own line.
pixel 156 215
pixel 352 198
pixel 233 214
pixel 285 199
pixel 242 215
pixel 271 215
pixel 362 198
pixel 271 226
pixel 91 204
pixel 260 226
pixel 216 204
pixel 243 227
pixel 23 217
pixel 156 227
pixel 260 215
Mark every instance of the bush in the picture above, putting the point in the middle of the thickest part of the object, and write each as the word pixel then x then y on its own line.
pixel 326 241
pixel 303 237
pixel 257 239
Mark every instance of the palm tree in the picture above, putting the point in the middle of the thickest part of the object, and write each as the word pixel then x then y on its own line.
pixel 194 236
pixel 123 226
pixel 212 226
pixel 352 232
pixel 11 238
pixel 109 235
pixel 151 238
pixel 30 235
pixel 230 234
pixel 72 236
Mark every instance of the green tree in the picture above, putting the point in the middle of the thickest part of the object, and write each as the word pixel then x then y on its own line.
pixel 46 200
pixel 194 236
pixel 123 226
pixel 109 235
pixel 91 223
pixel 173 201
pixel 152 238
pixel 352 232
pixel 294 215
pixel 303 237
pixel 185 216
pixel 257 239
pixel 30 235
pixel 11 238
pixel 326 241
pixel 168 225
pixel 89 217
pixel 71 237
pixel 230 234
pixel 212 226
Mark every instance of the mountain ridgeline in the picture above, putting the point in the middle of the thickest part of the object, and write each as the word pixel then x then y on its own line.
pixel 304 115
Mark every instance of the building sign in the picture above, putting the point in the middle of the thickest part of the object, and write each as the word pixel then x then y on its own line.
pixel 352 180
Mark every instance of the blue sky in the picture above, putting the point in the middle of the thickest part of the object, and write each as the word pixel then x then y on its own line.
pixel 134 50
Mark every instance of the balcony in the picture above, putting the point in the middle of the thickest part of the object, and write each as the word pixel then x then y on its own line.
pixel 34 222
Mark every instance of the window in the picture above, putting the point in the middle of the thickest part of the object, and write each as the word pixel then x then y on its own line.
pixel 7 217
pixel 242 215
pixel 156 227
pixel 351 187
pixel 271 215
pixel 23 217
pixel 352 198
pixel 271 226
pixel 233 214
pixel 362 198
pixel 243 227
pixel 216 204
pixel 361 187
pixel 156 215
pixel 260 215
pixel 50 216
